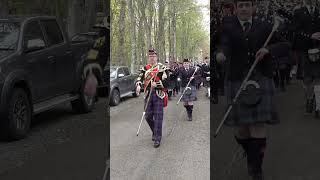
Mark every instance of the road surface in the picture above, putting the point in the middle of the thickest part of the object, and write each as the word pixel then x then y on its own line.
pixel 292 147
pixel 62 145
pixel 184 151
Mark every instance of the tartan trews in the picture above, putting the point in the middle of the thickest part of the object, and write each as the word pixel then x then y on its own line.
pixel 154 115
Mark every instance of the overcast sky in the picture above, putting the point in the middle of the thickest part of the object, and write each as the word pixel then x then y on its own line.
pixel 206 13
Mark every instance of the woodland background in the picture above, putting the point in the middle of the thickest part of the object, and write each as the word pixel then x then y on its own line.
pixel 173 27
pixel 77 15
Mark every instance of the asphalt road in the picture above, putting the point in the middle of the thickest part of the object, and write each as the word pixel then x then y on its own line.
pixel 62 145
pixel 293 145
pixel 184 151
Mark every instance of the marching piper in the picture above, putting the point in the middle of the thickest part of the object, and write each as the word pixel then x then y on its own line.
pixel 307 36
pixel 186 74
pixel 242 42
pixel 154 75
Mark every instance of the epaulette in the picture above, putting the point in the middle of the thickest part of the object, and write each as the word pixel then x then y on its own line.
pixel 143 68
pixel 162 67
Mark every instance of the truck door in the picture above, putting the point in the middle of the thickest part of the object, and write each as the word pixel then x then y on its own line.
pixel 61 54
pixel 122 81
pixel 129 81
pixel 38 60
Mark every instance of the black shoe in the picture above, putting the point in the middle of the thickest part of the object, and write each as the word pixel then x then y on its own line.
pixel 156 144
pixel 215 99
pixel 257 177
pixel 309 106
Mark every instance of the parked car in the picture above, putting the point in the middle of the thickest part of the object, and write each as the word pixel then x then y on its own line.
pixel 122 83
pixel 39 69
pixel 103 87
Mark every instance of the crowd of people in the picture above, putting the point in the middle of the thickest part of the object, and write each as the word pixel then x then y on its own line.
pixel 201 76
pixel 280 39
pixel 296 24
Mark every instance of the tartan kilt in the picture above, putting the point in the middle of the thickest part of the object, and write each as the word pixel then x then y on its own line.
pixel 264 112
pixel 192 96
pixel 205 82
pixel 171 84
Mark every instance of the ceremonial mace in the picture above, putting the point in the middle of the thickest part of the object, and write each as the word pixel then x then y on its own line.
pixel 146 105
pixel 187 85
pixel 274 28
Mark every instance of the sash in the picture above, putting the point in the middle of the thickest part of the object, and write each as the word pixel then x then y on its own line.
pixel 150 74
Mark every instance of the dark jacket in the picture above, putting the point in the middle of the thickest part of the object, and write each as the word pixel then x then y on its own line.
pixel 305 25
pixel 186 75
pixel 240 49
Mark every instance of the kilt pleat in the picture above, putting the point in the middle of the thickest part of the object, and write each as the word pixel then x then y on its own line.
pixel 264 112
pixel 192 96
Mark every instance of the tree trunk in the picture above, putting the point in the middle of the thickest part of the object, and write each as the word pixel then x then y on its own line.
pixel 174 32
pixel 149 24
pixel 161 33
pixel 4 9
pixel 106 7
pixel 75 22
pixel 122 33
pixel 133 36
pixel 141 32
pixel 91 14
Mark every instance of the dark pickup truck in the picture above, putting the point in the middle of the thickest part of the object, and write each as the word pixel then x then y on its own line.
pixel 122 83
pixel 40 68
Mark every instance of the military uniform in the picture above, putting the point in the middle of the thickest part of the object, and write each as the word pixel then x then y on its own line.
pixel 240 42
pixel 205 69
pixel 191 92
pixel 158 97
pixel 307 22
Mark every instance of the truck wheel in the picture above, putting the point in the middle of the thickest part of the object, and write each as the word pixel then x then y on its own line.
pixel 17 116
pixel 115 97
pixel 84 103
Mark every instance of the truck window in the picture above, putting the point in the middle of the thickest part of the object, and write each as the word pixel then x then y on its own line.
pixel 33 37
pixel 53 32
pixel 120 71
pixel 126 71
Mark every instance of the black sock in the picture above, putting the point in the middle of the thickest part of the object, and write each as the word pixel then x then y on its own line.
pixel 187 107
pixel 256 148
pixel 243 142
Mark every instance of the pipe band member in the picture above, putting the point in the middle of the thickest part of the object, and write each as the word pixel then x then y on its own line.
pixel 154 75
pixel 190 95
pixel 240 45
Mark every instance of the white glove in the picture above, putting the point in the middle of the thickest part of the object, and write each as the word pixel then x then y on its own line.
pixel 138 83
pixel 138 89
pixel 220 57
pixel 179 79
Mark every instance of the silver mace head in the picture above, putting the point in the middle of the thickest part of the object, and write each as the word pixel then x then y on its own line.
pixel 277 21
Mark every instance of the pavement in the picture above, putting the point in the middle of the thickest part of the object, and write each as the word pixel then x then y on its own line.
pixel 184 152
pixel 292 147
pixel 61 145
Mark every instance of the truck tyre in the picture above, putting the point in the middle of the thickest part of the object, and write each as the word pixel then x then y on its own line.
pixel 17 115
pixel 84 104
pixel 115 97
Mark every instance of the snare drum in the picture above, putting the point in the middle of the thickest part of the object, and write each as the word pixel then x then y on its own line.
pixel 314 55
